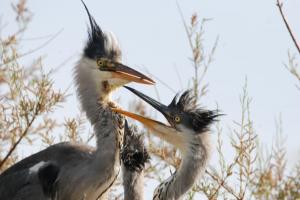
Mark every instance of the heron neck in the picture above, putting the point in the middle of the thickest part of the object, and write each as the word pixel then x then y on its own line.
pixel 89 89
pixel 133 182
pixel 193 164
pixel 95 101
pixel 108 126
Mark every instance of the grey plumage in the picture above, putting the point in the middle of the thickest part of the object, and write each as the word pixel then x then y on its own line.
pixel 30 183
pixel 48 176
pixel 134 156
pixel 18 183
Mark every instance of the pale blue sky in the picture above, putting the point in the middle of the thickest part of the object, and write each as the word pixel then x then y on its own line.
pixel 253 42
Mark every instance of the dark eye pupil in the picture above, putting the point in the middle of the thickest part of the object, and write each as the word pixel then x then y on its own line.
pixel 177 119
pixel 100 63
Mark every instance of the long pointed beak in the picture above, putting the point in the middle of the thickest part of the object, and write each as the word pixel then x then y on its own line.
pixel 157 128
pixel 165 132
pixel 150 123
pixel 124 72
pixel 163 109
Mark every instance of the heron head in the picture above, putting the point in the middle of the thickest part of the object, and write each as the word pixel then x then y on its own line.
pixel 103 56
pixel 186 119
pixel 134 154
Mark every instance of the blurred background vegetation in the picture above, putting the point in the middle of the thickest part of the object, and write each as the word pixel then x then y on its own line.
pixel 28 103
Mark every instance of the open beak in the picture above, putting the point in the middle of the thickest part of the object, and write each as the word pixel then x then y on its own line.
pixel 161 130
pixel 163 109
pixel 150 123
pixel 164 131
pixel 126 73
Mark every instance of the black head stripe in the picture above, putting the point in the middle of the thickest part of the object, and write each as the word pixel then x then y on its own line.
pixel 199 119
pixel 202 119
pixel 187 101
pixel 96 40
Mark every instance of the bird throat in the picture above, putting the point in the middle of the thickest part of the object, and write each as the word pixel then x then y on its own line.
pixel 106 89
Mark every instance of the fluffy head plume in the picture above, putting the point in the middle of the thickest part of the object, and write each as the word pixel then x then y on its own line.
pixel 134 154
pixel 199 118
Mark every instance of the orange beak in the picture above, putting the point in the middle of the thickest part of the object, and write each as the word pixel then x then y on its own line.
pixel 124 72
pixel 150 123
pixel 132 78
pixel 163 131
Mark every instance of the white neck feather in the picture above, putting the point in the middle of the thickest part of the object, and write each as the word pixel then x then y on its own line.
pixel 193 164
pixel 89 85
pixel 95 98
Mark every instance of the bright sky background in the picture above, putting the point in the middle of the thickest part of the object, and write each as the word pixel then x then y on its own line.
pixel 253 42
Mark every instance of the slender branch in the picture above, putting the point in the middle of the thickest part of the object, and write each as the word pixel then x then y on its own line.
pixel 223 184
pixel 32 50
pixel 17 143
pixel 279 5
pixel 189 36
pixel 178 76
pixel 161 81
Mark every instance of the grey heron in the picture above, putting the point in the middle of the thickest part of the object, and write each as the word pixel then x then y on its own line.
pixel 84 172
pixel 134 155
pixel 188 130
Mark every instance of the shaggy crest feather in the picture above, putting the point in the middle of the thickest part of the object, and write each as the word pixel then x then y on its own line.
pixel 100 44
pixel 95 43
pixel 200 118
pixel 134 153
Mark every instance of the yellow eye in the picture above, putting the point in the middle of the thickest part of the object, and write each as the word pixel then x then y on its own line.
pixel 177 119
pixel 100 62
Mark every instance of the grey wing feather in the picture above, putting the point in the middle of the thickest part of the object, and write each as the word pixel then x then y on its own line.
pixel 59 153
pixel 48 176
pixel 18 183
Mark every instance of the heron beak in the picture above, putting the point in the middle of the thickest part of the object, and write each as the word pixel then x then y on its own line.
pixel 150 123
pixel 165 132
pixel 126 73
pixel 163 109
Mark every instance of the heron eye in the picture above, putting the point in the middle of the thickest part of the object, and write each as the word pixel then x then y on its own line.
pixel 100 62
pixel 177 119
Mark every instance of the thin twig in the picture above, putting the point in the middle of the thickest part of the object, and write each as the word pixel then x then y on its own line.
pixel 178 76
pixel 161 81
pixel 33 50
pixel 17 143
pixel 189 36
pixel 223 184
pixel 279 5
pixel 36 38
pixel 62 64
